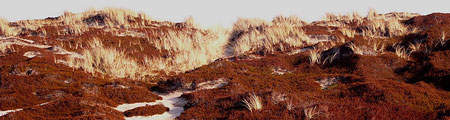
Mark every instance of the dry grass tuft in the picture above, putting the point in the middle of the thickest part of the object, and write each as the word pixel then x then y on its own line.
pixel 372 48
pixel 292 20
pixel 372 14
pixel 383 28
pixel 386 25
pixel 378 47
pixel 311 112
pixel 4 47
pixel 109 17
pixel 243 24
pixel 401 52
pixel 253 102
pixel 189 50
pixel 254 35
pixel 347 32
pixel 374 25
pixel 36 26
pixel 5 29
pixel 342 20
pixel 190 22
pixel 314 57
pixel 81 22
pixel 108 61
pixel 112 17
pixel 290 105
pixel 414 47
pixel 442 41
pixel 356 49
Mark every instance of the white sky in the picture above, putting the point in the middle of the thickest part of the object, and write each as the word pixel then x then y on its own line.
pixel 224 12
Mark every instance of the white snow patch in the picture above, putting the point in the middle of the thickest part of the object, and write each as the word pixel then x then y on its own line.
pixel 29 41
pixel 22 42
pixel 31 54
pixel 17 110
pixel 170 100
pixel 8 111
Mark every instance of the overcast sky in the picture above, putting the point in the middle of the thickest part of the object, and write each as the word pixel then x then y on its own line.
pixel 210 12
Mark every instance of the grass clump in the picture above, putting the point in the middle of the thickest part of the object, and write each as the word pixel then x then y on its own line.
pixel 188 50
pixel 108 61
pixel 253 102
pixel 255 35
pixel 5 29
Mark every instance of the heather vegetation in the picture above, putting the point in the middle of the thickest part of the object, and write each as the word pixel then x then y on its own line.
pixel 117 63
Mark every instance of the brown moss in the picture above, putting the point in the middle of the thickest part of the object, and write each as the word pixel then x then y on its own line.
pixel 67 108
pixel 367 87
pixel 383 66
pixel 146 110
pixel 433 26
pixel 48 81
pixel 126 94
pixel 375 88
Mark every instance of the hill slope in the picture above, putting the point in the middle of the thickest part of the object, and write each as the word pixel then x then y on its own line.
pixel 85 65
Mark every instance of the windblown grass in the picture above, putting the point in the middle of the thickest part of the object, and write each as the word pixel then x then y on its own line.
pixel 311 112
pixel 289 105
pixel 373 25
pixel 442 41
pixel 401 52
pixel 5 29
pixel 4 47
pixel 112 17
pixel 372 48
pixel 190 22
pixel 108 61
pixel 414 47
pixel 109 17
pixel 314 57
pixel 347 32
pixel 81 22
pixel 36 26
pixel 253 102
pixel 189 50
pixel 255 35
pixel 384 27
pixel 291 20
pixel 243 24
pixel 342 20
